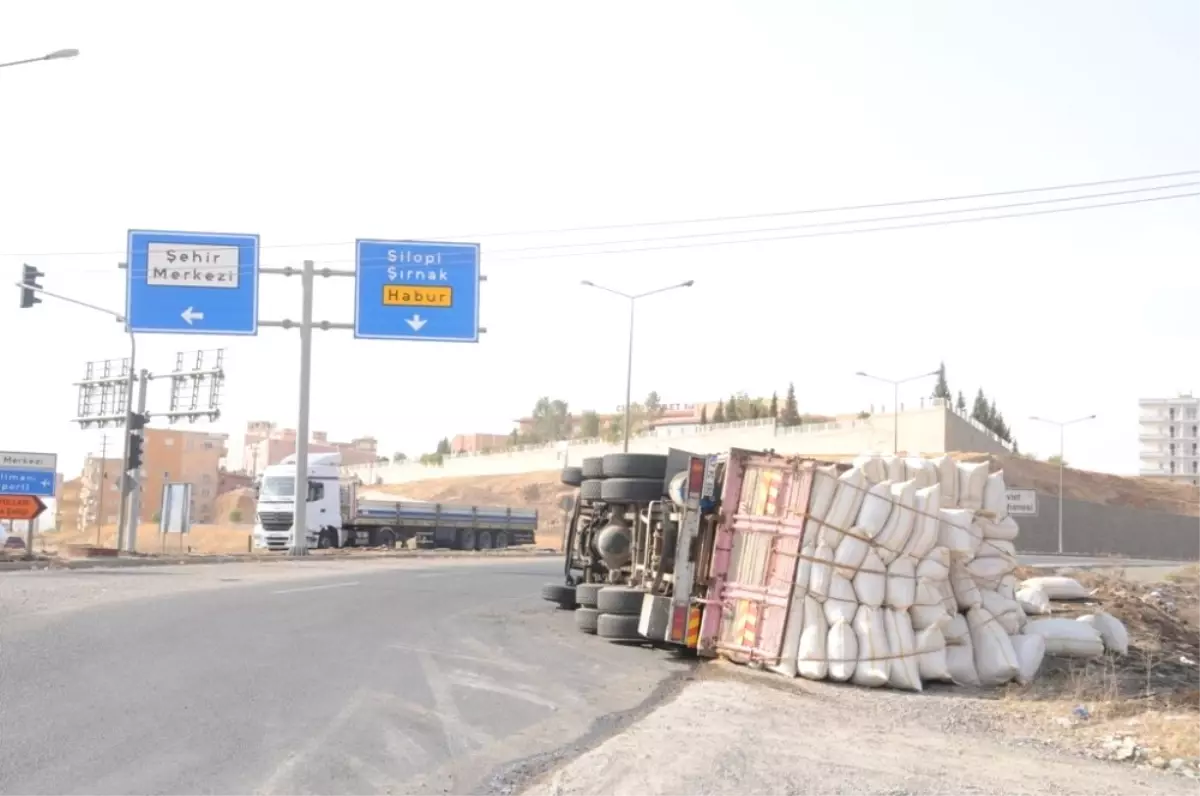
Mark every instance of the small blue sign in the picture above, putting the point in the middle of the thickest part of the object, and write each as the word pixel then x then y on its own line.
pixel 413 290
pixel 192 283
pixel 19 481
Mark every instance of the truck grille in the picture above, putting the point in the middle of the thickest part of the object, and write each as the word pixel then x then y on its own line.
pixel 275 520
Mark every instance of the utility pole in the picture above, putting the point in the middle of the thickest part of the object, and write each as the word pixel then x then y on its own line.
pixel 103 476
pixel 1062 425
pixel 896 401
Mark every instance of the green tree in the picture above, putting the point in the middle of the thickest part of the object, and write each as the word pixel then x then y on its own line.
pixel 791 410
pixel 432 459
pixel 443 446
pixel 732 410
pixel 399 456
pixel 1016 447
pixel 719 414
pixel 941 389
pixel 980 409
pixel 514 438
pixel 653 405
pixel 1056 459
pixel 551 420
pixel 960 403
pixel 615 429
pixel 704 415
pixel 235 516
pixel 773 409
pixel 589 424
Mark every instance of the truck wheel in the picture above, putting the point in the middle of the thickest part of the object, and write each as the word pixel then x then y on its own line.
pixel 619 600
pixel 572 476
pixel 501 540
pixel 618 627
pixel 631 490
pixel 592 467
pixel 590 489
pixel 585 594
pixel 634 465
pixel 485 540
pixel 386 538
pixel 326 540
pixel 558 593
pixel 586 618
pixel 466 539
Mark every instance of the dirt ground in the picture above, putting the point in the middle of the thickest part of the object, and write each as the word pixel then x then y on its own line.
pixel 201 539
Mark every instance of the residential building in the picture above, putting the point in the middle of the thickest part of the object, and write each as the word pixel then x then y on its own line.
pixel 99 493
pixel 68 505
pixel 478 442
pixel 266 444
pixel 229 481
pixel 190 457
pixel 1169 434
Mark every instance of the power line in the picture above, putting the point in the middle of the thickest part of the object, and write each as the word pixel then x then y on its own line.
pixel 700 220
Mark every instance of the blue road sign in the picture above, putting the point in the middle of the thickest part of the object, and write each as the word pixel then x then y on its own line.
pixel 20 481
pixel 412 290
pixel 192 283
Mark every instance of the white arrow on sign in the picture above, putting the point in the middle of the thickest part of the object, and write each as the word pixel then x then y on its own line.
pixel 190 315
pixel 416 322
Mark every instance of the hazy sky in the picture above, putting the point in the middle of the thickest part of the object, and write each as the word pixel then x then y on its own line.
pixel 314 125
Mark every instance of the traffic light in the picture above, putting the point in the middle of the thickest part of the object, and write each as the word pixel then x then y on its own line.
pixel 136 441
pixel 30 276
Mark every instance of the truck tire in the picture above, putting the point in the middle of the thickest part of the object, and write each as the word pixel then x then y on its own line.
pixel 558 593
pixel 466 539
pixel 586 618
pixel 592 467
pixel 386 537
pixel 634 465
pixel 572 476
pixel 587 593
pixel 631 490
pixel 501 540
pixel 619 600
pixel 327 539
pixel 618 627
pixel 485 541
pixel 590 489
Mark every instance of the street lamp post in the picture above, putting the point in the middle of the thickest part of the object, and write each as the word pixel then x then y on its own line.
pixel 632 298
pixel 1062 425
pixel 54 56
pixel 896 401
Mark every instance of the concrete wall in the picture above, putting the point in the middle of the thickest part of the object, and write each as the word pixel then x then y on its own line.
pixel 921 431
pixel 1096 529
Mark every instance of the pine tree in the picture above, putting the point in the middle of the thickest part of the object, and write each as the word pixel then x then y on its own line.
pixel 774 407
pixel 719 415
pixel 790 416
pixel 979 409
pixel 704 415
pixel 732 410
pixel 941 389
pixel 961 403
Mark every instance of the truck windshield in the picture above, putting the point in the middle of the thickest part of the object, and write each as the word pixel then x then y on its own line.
pixel 278 486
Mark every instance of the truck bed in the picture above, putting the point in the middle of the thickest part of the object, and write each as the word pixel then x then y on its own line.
pixel 427 514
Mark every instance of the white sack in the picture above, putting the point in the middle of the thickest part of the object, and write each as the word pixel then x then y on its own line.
pixel 895 468
pixel 1066 638
pixel 1008 587
pixel 876 507
pixel 811 661
pixel 850 552
pixel 822 570
pixel 995 660
pixel 960 662
pixel 872 669
pixel 1006 528
pixel 957 631
pixel 966 591
pixel 921 471
pixel 927 504
pixel 1058 587
pixel 842 650
pixel 927 610
pixel 948 479
pixel 804 566
pixel 825 484
pixel 1004 610
pixel 904 672
pixel 1112 631
pixel 931 659
pixel 947 592
pixel 843 510
pixel 892 540
pixel 901 584
pixel 842 602
pixel 870 584
pixel 873 466
pixel 955 531
pixel 1030 651
pixel 994 500
pixel 972 477
pixel 988 571
pixel 996 548
pixel 1033 601
pixel 935 565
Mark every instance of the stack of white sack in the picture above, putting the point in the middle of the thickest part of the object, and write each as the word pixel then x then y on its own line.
pixel 906 577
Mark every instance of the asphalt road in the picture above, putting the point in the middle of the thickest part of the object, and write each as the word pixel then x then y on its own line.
pixel 379 677
pixel 1069 560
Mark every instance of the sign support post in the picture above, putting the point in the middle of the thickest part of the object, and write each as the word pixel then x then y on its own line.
pixel 135 480
pixel 300 501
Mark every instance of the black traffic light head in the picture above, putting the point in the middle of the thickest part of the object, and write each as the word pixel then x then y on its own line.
pixel 134 462
pixel 30 276
pixel 136 422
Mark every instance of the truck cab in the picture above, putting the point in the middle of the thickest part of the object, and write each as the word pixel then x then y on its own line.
pixel 276 498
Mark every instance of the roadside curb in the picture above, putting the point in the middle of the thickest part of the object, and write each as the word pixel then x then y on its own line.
pixel 162 561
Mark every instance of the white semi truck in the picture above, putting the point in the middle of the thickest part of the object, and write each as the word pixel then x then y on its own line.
pixel 338 517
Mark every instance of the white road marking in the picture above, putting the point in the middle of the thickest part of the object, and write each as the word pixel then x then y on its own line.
pixel 454 727
pixel 472 680
pixel 317 588
pixel 317 740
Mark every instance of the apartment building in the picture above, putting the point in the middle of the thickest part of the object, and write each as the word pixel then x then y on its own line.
pixel 189 457
pixel 1169 434
pixel 99 493
pixel 478 442
pixel 266 444
pixel 68 505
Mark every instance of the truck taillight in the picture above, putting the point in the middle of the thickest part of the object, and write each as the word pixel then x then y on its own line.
pixel 695 476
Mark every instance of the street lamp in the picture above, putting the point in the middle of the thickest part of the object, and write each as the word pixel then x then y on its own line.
pixel 896 400
pixel 633 297
pixel 1062 425
pixel 54 56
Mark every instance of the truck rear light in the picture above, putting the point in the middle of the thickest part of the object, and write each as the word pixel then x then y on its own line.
pixel 695 476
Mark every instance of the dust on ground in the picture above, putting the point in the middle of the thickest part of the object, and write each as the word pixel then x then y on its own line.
pixel 540 490
pixel 727 733
pixel 1143 707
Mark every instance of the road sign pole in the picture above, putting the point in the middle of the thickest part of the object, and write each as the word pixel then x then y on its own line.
pixel 29 538
pixel 300 501
pixel 135 489
pixel 122 511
